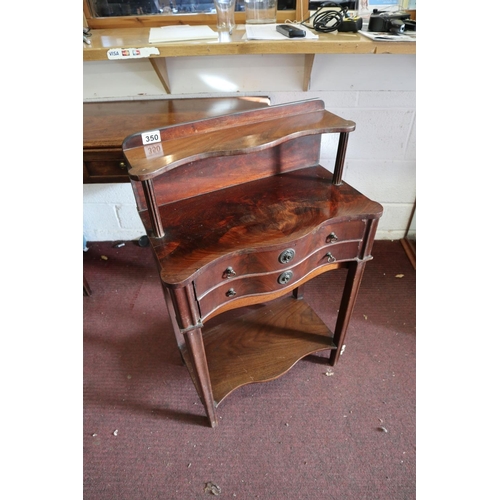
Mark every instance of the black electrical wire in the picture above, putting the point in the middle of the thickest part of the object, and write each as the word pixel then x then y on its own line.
pixel 323 20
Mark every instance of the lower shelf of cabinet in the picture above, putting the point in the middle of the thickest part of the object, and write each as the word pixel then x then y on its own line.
pixel 262 344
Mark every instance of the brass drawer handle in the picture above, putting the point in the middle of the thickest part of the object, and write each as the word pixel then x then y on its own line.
pixel 331 258
pixel 331 237
pixel 285 277
pixel 122 165
pixel 231 292
pixel 286 256
pixel 229 273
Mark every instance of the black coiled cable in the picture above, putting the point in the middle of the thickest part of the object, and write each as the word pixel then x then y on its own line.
pixel 323 20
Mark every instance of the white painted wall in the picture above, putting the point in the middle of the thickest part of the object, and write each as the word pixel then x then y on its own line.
pixel 376 91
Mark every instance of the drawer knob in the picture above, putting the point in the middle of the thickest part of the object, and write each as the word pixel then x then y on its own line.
pixel 122 165
pixel 330 257
pixel 285 277
pixel 286 256
pixel 331 237
pixel 231 292
pixel 229 273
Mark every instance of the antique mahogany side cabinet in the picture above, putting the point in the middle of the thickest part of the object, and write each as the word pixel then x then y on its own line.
pixel 240 215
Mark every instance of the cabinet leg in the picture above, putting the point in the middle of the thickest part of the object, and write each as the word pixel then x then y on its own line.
pixel 196 350
pixel 86 288
pixel 351 289
pixel 173 320
pixel 298 293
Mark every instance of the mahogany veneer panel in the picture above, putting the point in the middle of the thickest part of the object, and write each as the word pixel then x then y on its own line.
pixel 240 133
pixel 283 208
pixel 263 344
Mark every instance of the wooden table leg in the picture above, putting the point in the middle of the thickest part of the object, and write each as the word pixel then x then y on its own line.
pixel 179 337
pixel 351 289
pixel 196 350
pixel 86 288
pixel 183 309
pixel 298 293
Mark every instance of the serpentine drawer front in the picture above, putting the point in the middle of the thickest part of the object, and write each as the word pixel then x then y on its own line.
pixel 273 281
pixel 262 261
pixel 240 215
pixel 276 278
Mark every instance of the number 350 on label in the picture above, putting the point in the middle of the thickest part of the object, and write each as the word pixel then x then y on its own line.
pixel 151 137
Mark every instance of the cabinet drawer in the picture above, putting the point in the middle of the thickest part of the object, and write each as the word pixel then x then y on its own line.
pixel 104 167
pixel 234 266
pixel 262 283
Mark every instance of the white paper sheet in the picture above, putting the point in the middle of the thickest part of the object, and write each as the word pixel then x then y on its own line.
pixel 180 33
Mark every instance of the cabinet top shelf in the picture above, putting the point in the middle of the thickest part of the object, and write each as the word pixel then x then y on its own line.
pixel 328 43
pixel 230 135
